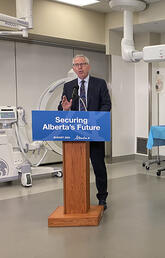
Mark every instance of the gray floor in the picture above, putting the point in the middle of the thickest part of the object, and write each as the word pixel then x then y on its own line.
pixel 133 226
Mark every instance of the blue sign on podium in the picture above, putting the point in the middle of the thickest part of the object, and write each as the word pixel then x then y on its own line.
pixel 71 126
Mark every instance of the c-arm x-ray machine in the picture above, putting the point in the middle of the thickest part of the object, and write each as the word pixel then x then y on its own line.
pixel 15 145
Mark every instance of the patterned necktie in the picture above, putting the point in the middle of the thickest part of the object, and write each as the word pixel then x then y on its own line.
pixel 82 97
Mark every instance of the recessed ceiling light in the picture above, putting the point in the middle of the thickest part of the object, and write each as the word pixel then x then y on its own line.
pixel 78 2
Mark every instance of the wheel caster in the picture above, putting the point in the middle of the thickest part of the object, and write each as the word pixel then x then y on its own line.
pixel 158 173
pixel 58 174
pixel 147 168
pixel 26 179
pixel 9 182
pixel 143 165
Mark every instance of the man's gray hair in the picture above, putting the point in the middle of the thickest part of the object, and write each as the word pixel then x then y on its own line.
pixel 86 58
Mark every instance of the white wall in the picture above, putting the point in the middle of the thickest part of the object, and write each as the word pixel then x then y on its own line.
pixel 123 107
pixel 37 67
pixel 141 100
pixel 130 109
pixel 7 74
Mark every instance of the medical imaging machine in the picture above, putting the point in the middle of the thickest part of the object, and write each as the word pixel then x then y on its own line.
pixel 17 152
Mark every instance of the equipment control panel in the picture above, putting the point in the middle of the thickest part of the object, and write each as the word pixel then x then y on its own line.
pixel 8 114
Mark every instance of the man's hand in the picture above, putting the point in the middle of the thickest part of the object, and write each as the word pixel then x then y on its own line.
pixel 66 105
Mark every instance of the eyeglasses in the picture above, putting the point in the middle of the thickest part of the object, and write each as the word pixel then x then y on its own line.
pixel 80 64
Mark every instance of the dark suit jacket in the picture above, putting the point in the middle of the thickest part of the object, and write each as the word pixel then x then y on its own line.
pixel 98 98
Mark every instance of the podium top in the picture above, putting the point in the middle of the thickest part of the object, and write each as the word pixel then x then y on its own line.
pixel 71 126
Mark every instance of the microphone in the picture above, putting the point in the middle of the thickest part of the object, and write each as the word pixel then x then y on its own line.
pixel 75 92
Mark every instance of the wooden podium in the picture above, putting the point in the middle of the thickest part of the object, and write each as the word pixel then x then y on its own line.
pixel 76 210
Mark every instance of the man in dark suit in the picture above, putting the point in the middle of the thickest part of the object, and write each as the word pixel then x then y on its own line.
pixel 94 96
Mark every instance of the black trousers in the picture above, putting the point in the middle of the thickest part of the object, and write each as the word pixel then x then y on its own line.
pixel 97 155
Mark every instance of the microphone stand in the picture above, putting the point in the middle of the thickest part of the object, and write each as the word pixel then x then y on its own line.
pixel 75 95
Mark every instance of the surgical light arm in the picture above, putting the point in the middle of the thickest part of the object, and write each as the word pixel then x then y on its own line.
pixel 22 22
pixel 129 53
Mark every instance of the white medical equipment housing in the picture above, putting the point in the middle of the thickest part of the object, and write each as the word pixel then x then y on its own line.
pixel 129 53
pixel 20 24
